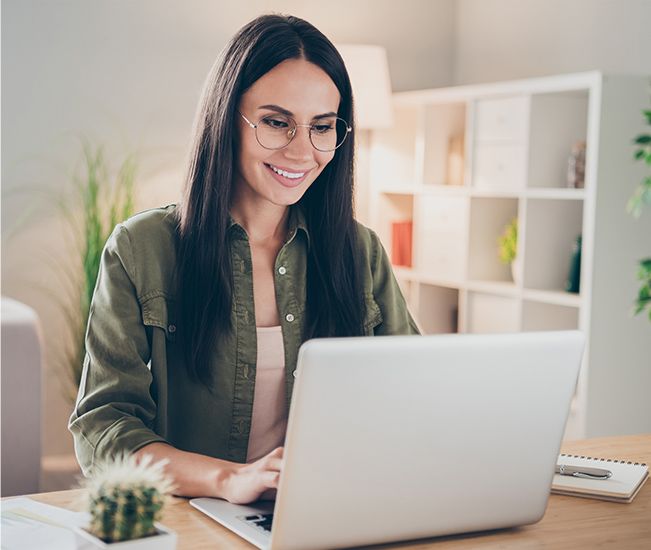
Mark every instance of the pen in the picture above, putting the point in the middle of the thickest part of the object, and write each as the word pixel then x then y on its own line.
pixel 584 472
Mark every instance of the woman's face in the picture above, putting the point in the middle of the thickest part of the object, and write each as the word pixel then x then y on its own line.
pixel 305 91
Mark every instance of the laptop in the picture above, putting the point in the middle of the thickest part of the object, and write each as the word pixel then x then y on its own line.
pixel 404 437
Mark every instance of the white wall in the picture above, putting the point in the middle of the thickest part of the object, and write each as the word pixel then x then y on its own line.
pixel 128 74
pixel 507 39
pixel 619 375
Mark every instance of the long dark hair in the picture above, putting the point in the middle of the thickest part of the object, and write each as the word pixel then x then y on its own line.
pixel 335 304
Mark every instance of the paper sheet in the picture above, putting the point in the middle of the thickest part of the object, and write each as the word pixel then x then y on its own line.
pixel 31 525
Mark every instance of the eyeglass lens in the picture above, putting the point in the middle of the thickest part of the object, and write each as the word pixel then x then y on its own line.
pixel 276 131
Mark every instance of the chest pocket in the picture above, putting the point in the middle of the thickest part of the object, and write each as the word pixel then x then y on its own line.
pixel 158 311
pixel 373 316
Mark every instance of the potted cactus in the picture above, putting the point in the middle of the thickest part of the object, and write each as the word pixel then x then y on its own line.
pixel 125 501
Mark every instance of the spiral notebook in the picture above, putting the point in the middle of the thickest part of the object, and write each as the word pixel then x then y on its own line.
pixel 622 486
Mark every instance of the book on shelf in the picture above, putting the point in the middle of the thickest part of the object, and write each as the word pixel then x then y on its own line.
pixel 401 236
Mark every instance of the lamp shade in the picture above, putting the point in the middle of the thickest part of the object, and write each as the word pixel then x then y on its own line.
pixel 368 69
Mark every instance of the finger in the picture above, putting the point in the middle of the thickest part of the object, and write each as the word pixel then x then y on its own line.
pixel 277 452
pixel 274 464
pixel 270 479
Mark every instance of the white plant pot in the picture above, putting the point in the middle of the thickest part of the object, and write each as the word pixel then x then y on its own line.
pixel 516 270
pixel 163 540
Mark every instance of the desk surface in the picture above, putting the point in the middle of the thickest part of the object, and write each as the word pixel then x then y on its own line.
pixel 569 522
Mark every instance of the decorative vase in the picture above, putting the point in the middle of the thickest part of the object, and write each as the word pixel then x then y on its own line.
pixel 516 270
pixel 164 539
pixel 576 166
pixel 573 283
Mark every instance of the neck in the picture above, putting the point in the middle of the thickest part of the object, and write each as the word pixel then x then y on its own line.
pixel 263 223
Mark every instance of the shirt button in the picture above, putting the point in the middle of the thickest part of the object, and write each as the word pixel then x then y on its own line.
pixel 282 270
pixel 289 317
pixel 171 328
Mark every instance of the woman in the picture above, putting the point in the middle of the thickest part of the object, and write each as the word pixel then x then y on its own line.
pixel 200 309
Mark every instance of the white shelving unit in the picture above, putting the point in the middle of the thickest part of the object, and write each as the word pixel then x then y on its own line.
pixel 517 137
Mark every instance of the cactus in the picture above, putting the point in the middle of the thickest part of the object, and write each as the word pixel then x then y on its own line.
pixel 126 498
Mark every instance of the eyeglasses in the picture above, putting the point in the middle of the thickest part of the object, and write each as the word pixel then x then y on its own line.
pixel 277 131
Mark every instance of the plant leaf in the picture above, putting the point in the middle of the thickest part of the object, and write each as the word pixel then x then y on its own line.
pixel 87 214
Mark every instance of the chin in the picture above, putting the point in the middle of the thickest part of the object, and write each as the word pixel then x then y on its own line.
pixel 289 199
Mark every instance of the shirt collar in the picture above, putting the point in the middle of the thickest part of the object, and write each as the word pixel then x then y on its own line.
pixel 297 222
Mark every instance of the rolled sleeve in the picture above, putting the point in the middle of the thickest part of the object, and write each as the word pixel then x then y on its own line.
pixel 114 412
pixel 396 318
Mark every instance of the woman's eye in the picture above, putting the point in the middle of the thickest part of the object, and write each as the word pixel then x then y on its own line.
pixel 275 123
pixel 322 128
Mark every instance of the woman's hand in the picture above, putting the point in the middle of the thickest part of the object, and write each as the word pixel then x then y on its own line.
pixel 246 483
pixel 196 475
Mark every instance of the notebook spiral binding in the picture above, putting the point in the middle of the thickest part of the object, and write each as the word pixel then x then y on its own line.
pixel 605 459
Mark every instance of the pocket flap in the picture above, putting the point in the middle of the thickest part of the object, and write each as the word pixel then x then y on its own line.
pixel 158 311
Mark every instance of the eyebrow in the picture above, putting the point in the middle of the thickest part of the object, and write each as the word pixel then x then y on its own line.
pixel 285 112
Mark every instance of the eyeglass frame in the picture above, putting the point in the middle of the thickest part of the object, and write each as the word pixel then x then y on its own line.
pixel 349 129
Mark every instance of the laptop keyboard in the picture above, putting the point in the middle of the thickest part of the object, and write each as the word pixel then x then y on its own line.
pixel 261 521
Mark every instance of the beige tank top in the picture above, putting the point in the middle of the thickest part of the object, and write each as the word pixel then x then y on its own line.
pixel 269 421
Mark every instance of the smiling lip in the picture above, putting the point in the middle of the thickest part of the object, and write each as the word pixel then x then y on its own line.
pixel 287 182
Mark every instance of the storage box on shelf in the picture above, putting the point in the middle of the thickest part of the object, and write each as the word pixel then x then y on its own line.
pixel 444 220
pixel 462 162
pixel 499 143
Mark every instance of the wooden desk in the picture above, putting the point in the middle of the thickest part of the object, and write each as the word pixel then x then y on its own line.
pixel 569 522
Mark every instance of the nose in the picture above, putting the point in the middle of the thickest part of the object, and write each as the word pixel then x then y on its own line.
pixel 300 147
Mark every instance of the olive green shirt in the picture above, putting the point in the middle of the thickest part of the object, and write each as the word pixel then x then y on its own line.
pixel 134 388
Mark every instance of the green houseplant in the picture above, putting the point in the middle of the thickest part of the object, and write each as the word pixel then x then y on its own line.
pixel 640 198
pixel 99 201
pixel 508 248
pixel 125 501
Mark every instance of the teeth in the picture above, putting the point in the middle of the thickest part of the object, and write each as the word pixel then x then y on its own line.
pixel 289 175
